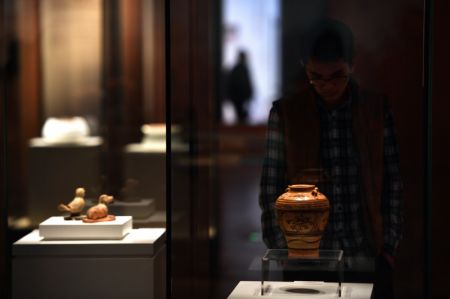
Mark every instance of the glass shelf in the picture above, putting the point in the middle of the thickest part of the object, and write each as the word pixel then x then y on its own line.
pixel 331 257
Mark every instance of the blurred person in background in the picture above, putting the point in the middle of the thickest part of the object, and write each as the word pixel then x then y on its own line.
pixel 239 87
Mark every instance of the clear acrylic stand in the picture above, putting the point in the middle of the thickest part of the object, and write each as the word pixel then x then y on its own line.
pixel 332 257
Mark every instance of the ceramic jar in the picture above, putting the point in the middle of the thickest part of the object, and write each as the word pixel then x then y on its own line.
pixel 302 213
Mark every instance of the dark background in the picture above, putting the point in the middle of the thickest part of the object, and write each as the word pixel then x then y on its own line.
pixel 390 55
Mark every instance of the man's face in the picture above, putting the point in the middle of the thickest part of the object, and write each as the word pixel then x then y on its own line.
pixel 329 79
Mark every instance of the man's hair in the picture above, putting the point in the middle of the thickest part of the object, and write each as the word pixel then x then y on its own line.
pixel 328 41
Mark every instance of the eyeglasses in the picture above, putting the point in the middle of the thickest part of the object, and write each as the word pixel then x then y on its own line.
pixel 333 80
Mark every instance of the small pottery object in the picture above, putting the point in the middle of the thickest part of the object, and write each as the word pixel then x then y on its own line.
pixel 75 206
pixel 302 213
pixel 99 212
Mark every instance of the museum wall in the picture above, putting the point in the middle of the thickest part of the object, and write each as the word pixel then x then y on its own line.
pixel 154 49
pixel 440 247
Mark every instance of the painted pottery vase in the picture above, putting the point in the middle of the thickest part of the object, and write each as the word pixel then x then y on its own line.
pixel 302 213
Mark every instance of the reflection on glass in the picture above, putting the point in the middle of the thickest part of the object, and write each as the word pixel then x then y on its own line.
pixel 83 120
pixel 83 77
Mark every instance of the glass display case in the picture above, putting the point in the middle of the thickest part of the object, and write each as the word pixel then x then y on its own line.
pixel 83 145
pixel 329 259
pixel 96 79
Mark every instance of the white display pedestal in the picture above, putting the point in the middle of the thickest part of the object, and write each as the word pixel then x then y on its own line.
pixel 133 267
pixel 56 228
pixel 300 289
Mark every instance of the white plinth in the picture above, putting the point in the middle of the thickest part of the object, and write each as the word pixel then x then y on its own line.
pixel 56 228
pixel 81 141
pixel 133 267
pixel 300 289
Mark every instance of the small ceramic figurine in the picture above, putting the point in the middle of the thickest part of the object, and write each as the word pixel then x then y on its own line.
pixel 75 206
pixel 99 212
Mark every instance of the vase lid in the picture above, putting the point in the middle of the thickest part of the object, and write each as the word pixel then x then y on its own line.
pixel 299 196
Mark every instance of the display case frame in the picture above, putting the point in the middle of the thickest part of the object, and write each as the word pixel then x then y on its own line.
pixel 290 263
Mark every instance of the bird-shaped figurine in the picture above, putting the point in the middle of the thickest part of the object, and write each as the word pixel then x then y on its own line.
pixel 99 212
pixel 75 206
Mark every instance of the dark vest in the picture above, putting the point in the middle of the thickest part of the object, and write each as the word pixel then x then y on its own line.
pixel 301 125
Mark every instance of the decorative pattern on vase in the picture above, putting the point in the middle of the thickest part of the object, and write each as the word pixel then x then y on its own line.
pixel 302 213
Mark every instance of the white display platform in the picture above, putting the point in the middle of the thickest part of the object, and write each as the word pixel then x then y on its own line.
pixel 156 147
pixel 300 289
pixel 56 228
pixel 133 267
pixel 84 141
pixel 143 241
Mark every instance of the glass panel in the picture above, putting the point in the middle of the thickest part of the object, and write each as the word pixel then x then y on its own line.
pixel 84 86
pixel 86 93
pixel 227 157
pixel 326 260
pixel 85 132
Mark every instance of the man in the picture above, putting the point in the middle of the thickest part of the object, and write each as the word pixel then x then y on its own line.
pixel 345 133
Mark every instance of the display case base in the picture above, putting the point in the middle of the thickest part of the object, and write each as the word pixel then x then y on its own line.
pixel 300 289
pixel 56 228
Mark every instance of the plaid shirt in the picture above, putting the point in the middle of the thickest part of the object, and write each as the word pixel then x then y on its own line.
pixel 340 163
